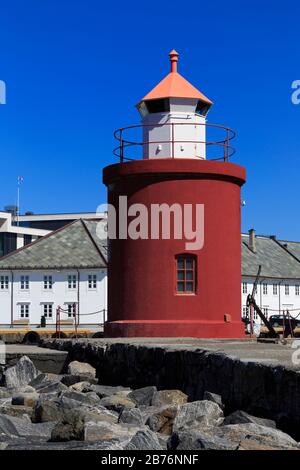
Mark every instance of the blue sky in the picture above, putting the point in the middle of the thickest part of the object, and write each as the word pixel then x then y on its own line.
pixel 75 69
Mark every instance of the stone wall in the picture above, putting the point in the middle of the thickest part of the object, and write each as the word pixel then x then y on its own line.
pixel 263 390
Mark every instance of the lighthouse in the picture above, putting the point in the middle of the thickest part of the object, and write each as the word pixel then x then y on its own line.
pixel 178 273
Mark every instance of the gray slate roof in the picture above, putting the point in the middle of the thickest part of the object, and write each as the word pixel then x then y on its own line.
pixel 73 246
pixel 276 261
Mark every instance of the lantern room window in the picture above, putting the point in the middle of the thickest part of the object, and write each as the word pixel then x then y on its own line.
pixel 185 274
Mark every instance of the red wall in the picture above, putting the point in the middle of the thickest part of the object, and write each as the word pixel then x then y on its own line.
pixel 142 300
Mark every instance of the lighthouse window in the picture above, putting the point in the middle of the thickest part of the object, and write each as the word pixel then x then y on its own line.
pixel 158 106
pixel 186 274
pixel 202 108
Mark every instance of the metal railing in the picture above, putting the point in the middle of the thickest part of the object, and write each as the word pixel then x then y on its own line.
pixel 222 143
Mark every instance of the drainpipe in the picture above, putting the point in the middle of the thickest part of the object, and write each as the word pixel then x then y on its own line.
pixel 12 301
pixel 78 295
pixel 279 296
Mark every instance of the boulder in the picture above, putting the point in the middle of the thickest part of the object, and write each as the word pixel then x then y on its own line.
pixel 69 380
pixel 214 397
pixel 52 388
pixel 144 440
pixel 132 416
pixel 142 396
pixel 103 431
pixel 11 426
pixel 104 391
pixel 233 437
pixel 43 380
pixel 82 369
pixel 82 387
pixel 198 414
pixel 89 398
pixel 73 425
pixel 18 411
pixel 117 402
pixel 162 420
pixel 168 397
pixel 240 417
pixel 25 399
pixel 20 374
pixel 5 393
pixel 3 445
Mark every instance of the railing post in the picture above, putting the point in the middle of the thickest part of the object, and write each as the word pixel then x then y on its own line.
pixel 121 147
pixel 226 146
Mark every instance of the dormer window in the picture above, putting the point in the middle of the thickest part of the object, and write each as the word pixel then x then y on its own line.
pixel 158 106
pixel 202 108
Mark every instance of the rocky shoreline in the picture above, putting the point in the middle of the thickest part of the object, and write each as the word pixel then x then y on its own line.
pixel 74 411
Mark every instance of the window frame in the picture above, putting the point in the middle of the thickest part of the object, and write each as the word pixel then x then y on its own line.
pixel 4 282
pixel 25 306
pixel 92 283
pixel 24 281
pixel 48 282
pixel 185 281
pixel 47 313
pixel 71 281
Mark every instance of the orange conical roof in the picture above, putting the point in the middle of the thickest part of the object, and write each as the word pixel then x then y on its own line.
pixel 175 86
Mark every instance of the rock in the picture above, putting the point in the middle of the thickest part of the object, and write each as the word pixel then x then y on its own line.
pixel 69 380
pixel 132 416
pixel 89 398
pixel 162 420
pixel 233 437
pixel 53 388
pixel 73 425
pixel 103 431
pixel 5 393
pixel 169 397
pixel 43 380
pixel 26 389
pixel 142 396
pixel 104 391
pixel 11 426
pixel 117 402
pixel 240 417
pixel 25 399
pixel 82 387
pixel 20 374
pixel 198 414
pixel 198 440
pixel 214 397
pixel 144 440
pixel 58 409
pixel 82 369
pixel 18 411
pixel 3 445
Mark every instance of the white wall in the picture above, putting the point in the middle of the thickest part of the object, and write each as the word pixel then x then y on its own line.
pixel 269 302
pixel 90 300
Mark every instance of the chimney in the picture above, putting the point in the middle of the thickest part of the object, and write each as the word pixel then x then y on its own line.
pixel 252 240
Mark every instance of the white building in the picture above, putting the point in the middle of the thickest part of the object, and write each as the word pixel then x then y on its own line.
pixel 63 268
pixel 278 287
pixel 14 236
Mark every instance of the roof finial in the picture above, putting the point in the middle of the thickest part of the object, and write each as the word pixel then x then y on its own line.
pixel 174 59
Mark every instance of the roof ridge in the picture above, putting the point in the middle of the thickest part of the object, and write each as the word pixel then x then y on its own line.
pixel 93 241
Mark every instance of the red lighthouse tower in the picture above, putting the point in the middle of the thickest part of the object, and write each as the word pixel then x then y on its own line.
pixel 161 282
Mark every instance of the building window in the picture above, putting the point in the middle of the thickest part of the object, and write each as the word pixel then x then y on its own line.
pixel 24 310
pixel 287 289
pixel 245 287
pixel 275 289
pixel 48 310
pixel 266 311
pixel 92 281
pixel 71 310
pixel 265 289
pixel 72 281
pixel 245 312
pixel 24 282
pixel 297 289
pixel 48 282
pixel 185 274
pixel 4 282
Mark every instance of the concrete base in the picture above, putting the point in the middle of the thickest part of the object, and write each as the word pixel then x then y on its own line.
pixel 45 360
pixel 173 329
